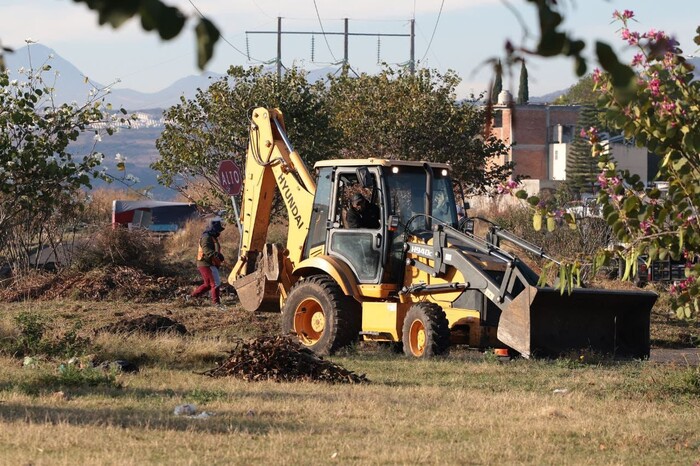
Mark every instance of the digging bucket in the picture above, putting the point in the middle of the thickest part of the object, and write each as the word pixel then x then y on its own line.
pixel 543 322
pixel 259 290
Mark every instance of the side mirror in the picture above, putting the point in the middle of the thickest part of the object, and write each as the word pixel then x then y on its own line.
pixel 365 177
pixel 466 206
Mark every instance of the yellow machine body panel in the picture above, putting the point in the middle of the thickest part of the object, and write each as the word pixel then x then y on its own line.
pixel 382 321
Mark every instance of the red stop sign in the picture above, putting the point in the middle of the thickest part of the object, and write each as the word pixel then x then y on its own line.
pixel 230 177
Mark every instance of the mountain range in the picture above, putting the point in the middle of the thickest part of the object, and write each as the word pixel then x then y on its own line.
pixel 71 86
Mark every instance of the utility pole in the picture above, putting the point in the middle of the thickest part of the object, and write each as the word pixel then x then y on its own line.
pixel 346 35
pixel 345 46
pixel 279 48
pixel 413 47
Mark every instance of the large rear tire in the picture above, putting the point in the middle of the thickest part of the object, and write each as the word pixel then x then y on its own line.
pixel 426 332
pixel 318 312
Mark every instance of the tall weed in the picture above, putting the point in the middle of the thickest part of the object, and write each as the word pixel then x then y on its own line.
pixel 119 246
pixel 36 337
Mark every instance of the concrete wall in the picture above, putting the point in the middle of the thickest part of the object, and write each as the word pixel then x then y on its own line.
pixel 557 161
pixel 631 158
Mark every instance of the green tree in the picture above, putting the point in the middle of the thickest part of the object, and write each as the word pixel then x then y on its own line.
pixel 419 118
pixel 581 93
pixel 40 175
pixel 497 83
pixel 524 87
pixel 581 168
pixel 201 132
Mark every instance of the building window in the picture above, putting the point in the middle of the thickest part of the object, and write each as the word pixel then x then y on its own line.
pixel 498 119
pixel 561 134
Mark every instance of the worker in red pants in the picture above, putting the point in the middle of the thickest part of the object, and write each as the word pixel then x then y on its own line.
pixel 208 256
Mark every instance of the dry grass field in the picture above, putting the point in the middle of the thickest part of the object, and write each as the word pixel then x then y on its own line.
pixel 467 408
pixel 63 400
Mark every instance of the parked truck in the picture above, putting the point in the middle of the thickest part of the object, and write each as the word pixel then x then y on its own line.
pixel 414 278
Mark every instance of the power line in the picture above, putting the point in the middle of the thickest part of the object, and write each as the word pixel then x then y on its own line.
pixel 261 10
pixel 225 39
pixel 437 21
pixel 346 34
pixel 425 40
pixel 320 23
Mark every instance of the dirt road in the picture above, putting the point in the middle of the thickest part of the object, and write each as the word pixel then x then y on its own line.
pixel 690 356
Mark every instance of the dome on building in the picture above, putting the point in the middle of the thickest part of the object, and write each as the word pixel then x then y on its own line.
pixel 505 98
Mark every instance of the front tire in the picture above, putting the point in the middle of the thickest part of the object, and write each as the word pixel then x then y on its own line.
pixel 318 312
pixel 426 332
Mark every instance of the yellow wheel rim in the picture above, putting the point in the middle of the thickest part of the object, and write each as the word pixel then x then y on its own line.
pixel 417 338
pixel 309 321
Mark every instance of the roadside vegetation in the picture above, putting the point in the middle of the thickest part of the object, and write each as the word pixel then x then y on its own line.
pixel 64 397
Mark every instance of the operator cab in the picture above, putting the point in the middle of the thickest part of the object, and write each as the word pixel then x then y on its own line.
pixel 404 196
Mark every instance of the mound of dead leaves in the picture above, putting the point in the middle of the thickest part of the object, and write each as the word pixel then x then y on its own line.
pixel 282 359
pixel 150 323
pixel 110 282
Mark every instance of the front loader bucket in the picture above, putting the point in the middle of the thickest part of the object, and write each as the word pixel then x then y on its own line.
pixel 259 290
pixel 544 322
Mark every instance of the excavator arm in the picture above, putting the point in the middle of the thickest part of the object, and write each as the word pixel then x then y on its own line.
pixel 271 164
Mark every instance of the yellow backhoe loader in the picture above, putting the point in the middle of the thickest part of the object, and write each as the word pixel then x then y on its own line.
pixel 412 277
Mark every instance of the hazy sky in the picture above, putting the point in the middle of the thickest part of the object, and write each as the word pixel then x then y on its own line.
pixel 464 35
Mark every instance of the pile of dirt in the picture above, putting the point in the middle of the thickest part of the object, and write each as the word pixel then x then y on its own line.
pixel 110 282
pixel 150 323
pixel 282 359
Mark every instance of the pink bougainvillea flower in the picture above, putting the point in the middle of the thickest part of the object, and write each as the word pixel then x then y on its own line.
pixel 624 16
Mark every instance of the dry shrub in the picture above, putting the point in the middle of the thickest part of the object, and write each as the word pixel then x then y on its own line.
pixel 114 282
pixel 591 235
pixel 121 247
pixel 107 282
pixel 279 228
pixel 181 246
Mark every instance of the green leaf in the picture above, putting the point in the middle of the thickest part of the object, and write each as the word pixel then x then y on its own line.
pixel 521 194
pixel 533 200
pixel 622 75
pixel 168 20
pixel 542 280
pixel 562 278
pixel 207 35
pixel 628 269
pixel 630 203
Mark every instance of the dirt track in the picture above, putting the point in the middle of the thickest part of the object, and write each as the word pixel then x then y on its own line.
pixel 689 356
